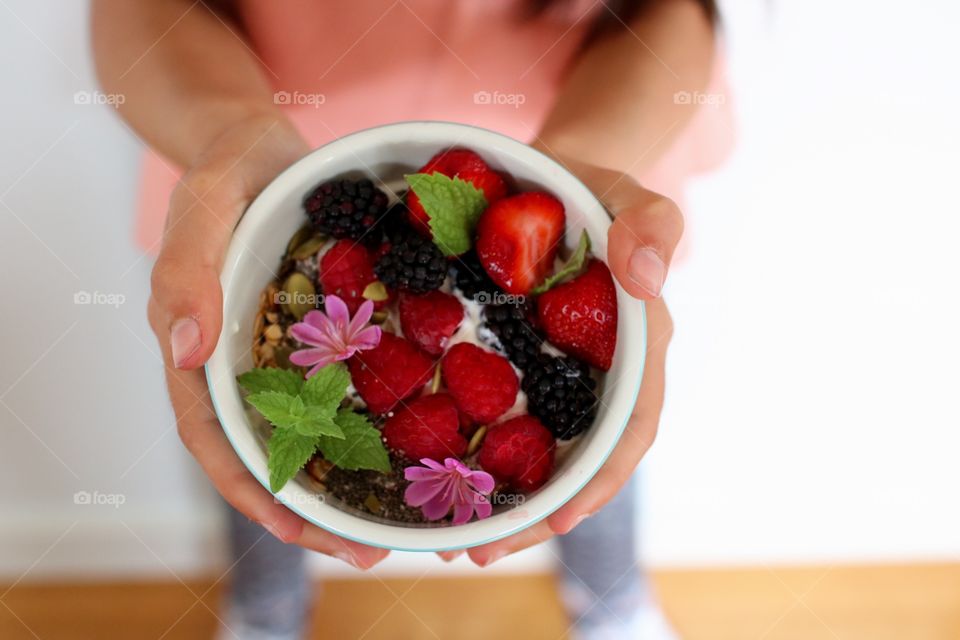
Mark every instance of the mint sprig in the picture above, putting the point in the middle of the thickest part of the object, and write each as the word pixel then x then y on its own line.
pixel 453 206
pixel 570 268
pixel 308 417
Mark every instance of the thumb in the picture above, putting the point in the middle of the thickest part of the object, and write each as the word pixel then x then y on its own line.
pixel 185 280
pixel 641 241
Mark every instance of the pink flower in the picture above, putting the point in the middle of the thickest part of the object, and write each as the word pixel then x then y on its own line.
pixel 333 335
pixel 436 487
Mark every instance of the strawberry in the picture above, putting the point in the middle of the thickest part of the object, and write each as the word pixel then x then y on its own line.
pixel 392 371
pixel 428 427
pixel 517 239
pixel 345 270
pixel 430 319
pixel 461 163
pixel 482 383
pixel 519 452
pixel 580 316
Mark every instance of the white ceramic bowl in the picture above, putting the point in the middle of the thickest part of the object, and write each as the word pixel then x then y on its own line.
pixel 388 152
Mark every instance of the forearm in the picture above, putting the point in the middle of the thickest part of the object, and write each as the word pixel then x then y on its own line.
pixel 617 107
pixel 186 77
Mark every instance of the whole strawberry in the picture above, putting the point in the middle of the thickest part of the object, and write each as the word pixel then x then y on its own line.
pixel 482 383
pixel 580 317
pixel 457 163
pixel 345 270
pixel 430 319
pixel 392 371
pixel 428 427
pixel 517 239
pixel 519 452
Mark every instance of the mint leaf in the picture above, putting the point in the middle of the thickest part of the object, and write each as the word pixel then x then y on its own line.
pixel 327 387
pixel 281 409
pixel 271 379
pixel 361 447
pixel 287 452
pixel 572 266
pixel 319 421
pixel 453 206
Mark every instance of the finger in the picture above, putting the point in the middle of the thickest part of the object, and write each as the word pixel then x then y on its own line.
pixel 487 554
pixel 641 241
pixel 204 209
pixel 450 556
pixel 637 438
pixel 185 281
pixel 203 436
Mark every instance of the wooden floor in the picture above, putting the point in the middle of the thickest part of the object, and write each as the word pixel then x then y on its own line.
pixel 849 603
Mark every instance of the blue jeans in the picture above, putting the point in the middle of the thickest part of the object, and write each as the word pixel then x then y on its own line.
pixel 601 577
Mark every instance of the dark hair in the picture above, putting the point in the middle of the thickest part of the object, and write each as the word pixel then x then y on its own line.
pixel 616 14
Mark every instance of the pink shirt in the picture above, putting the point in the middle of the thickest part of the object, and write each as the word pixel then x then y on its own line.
pixel 343 65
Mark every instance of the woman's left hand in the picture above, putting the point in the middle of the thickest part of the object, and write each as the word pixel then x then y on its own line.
pixel 641 241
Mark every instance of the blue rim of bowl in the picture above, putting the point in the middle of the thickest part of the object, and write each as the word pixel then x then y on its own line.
pixel 510 531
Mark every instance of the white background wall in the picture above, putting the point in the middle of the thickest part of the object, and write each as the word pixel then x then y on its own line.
pixel 812 411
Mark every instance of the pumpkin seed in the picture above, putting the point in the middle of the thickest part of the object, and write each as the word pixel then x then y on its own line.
pixel 298 238
pixel 376 291
pixel 299 295
pixel 372 503
pixel 476 440
pixel 309 247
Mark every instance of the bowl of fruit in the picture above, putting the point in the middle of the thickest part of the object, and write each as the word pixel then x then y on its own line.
pixel 423 348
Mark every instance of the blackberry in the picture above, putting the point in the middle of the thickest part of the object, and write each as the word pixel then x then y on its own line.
pixel 413 263
pixel 519 340
pixel 561 393
pixel 471 278
pixel 347 209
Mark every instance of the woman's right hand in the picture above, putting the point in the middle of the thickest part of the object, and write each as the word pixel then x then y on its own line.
pixel 185 312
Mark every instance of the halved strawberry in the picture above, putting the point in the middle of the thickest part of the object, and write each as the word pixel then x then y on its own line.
pixel 580 316
pixel 430 319
pixel 461 163
pixel 345 270
pixel 518 237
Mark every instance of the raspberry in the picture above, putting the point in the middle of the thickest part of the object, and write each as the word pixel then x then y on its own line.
pixel 392 371
pixel 471 278
pixel 413 263
pixel 430 319
pixel 346 208
pixel 345 271
pixel 519 340
pixel 519 452
pixel 428 427
pixel 482 383
pixel 562 394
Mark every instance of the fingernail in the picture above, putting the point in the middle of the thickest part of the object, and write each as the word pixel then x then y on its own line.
pixel 647 269
pixel 493 558
pixel 184 340
pixel 576 523
pixel 346 557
